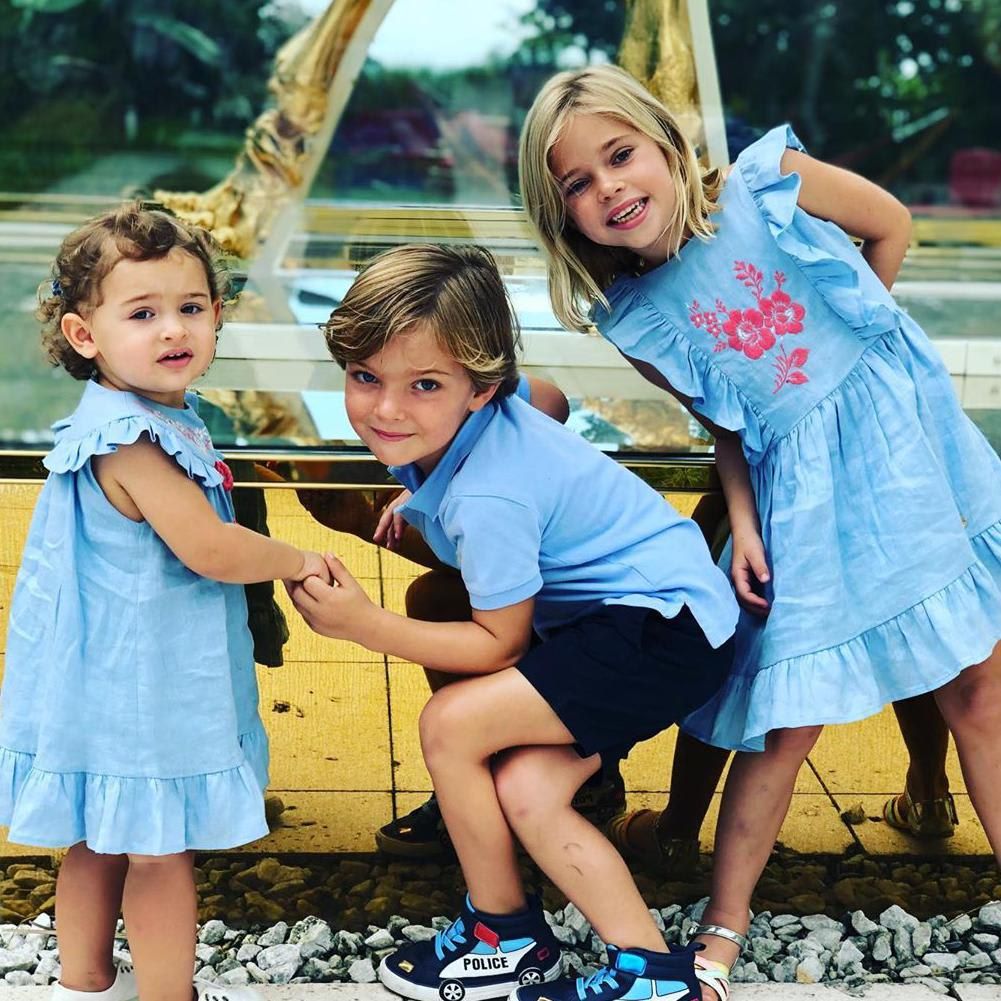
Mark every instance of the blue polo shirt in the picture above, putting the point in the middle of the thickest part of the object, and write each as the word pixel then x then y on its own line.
pixel 523 507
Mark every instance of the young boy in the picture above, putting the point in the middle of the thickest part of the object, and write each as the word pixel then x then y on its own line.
pixel 633 623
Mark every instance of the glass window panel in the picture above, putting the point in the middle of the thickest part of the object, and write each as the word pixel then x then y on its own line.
pixel 426 150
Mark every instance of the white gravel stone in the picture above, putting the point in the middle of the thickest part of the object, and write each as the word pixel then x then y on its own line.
pixel 12 960
pixel 941 962
pixel 827 937
pixel 921 939
pixel 418 933
pixel 382 939
pixel 278 955
pixel 814 921
pixel 847 957
pixel 862 924
pixel 283 973
pixel 275 935
pixel 989 916
pixel 361 971
pixel 234 978
pixel 895 917
pixel 314 938
pixel 577 923
pixel 810 971
pixel 247 952
pixel 212 932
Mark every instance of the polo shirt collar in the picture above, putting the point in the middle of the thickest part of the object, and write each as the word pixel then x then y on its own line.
pixel 429 491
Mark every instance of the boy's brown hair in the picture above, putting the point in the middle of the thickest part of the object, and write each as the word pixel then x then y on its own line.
pixel 457 292
pixel 134 232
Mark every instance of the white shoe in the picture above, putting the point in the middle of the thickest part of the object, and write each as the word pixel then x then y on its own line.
pixel 123 989
pixel 221 992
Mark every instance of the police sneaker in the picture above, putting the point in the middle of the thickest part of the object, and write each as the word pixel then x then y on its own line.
pixel 631 975
pixel 478 956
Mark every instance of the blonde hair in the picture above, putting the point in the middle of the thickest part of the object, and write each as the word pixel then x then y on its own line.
pixel 457 292
pixel 578 269
pixel 135 232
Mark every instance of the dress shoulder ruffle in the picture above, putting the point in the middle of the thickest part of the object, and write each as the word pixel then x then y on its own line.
pixel 123 420
pixel 825 255
pixel 640 330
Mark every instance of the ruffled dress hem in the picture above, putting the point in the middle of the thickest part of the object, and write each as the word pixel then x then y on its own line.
pixel 118 815
pixel 919 650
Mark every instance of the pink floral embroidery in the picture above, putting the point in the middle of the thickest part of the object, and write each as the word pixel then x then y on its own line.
pixel 226 474
pixel 754 331
pixel 784 314
pixel 747 331
pixel 789 368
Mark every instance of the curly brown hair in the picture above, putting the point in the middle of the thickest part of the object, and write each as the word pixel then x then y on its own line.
pixel 135 231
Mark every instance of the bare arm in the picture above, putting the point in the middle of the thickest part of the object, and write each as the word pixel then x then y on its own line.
pixel 145 484
pixel 548 398
pixel 491 642
pixel 861 208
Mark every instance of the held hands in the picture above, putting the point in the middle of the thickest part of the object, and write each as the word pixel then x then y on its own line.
pixel 749 571
pixel 332 604
pixel 389 530
pixel 313 565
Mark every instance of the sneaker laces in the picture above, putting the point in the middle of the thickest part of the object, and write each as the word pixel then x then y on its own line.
pixel 451 938
pixel 596 982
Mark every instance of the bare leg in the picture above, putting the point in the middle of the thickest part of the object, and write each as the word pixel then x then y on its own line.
pixel 695 774
pixel 756 800
pixel 971 705
pixel 438 596
pixel 461 730
pixel 535 786
pixel 88 902
pixel 927 738
pixel 161 915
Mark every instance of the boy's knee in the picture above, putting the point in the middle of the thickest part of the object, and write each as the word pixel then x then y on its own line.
pixel 443 718
pixel 522 789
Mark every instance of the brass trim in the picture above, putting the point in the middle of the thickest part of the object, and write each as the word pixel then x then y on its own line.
pixel 355 470
pixel 400 223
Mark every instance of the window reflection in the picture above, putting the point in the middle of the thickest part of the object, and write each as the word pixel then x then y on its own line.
pixel 426 150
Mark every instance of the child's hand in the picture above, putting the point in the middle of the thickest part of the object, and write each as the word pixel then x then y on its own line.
pixel 389 530
pixel 749 570
pixel 313 565
pixel 339 609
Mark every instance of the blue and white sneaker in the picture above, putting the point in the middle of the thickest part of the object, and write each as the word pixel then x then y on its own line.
pixel 631 975
pixel 477 957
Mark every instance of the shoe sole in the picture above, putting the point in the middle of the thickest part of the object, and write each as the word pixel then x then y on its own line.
pixel 407 849
pixel 416 992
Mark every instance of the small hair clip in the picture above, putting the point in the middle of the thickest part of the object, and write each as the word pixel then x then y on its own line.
pixel 57 288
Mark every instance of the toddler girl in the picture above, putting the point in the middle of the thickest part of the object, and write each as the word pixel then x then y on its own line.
pixel 129 727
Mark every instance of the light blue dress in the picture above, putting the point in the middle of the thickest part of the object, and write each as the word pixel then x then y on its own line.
pixel 880 501
pixel 128 715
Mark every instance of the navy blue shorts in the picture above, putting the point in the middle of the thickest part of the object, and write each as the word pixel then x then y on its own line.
pixel 623 674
